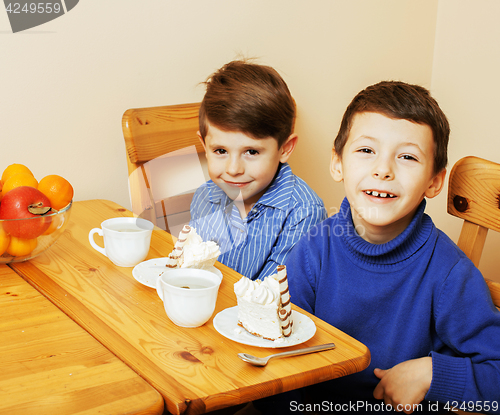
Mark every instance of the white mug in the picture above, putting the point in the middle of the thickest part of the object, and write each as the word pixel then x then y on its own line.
pixel 189 295
pixel 126 240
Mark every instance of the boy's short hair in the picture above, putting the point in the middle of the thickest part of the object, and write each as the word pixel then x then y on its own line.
pixel 248 98
pixel 399 100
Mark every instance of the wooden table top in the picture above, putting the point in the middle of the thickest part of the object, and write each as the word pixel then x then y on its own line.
pixel 50 365
pixel 196 370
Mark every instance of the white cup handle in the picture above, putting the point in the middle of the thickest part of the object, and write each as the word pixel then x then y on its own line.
pixel 92 242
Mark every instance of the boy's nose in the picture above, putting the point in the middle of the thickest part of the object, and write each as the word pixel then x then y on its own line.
pixel 234 166
pixel 383 171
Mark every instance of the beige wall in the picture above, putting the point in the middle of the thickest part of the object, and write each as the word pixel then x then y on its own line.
pixel 465 80
pixel 65 84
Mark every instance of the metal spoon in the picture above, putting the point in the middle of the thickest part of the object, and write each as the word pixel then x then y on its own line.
pixel 262 361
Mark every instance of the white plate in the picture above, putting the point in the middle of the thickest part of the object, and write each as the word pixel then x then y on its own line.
pixel 226 323
pixel 147 272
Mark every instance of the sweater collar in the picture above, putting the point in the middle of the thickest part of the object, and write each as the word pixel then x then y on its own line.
pixel 396 250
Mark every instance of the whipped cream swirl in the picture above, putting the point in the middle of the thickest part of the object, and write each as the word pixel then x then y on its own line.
pixel 192 237
pixel 259 292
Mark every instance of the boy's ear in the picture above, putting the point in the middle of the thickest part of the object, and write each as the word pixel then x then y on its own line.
pixel 336 167
pixel 288 147
pixel 436 185
pixel 201 140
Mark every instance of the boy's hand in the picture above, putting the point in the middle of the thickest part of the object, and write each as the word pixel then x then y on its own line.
pixel 405 384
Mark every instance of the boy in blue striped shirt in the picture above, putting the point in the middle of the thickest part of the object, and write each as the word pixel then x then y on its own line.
pixel 254 207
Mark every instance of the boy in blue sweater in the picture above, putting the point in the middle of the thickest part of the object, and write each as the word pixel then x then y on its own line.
pixel 381 271
pixel 254 207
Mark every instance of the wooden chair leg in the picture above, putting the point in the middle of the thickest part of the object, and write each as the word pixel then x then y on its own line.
pixel 471 241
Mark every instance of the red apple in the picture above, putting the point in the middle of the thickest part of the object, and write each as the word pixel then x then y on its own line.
pixel 16 204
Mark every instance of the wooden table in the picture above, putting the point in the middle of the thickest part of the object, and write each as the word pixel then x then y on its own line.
pixel 50 365
pixel 196 370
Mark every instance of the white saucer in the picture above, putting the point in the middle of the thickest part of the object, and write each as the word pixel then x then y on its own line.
pixel 226 323
pixel 147 272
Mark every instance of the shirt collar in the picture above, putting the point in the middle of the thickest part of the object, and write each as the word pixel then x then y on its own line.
pixel 217 195
pixel 279 192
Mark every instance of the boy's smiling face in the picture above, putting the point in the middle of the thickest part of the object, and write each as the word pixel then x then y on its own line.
pixel 244 166
pixel 387 166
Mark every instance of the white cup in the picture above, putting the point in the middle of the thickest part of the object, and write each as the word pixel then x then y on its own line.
pixel 189 295
pixel 126 240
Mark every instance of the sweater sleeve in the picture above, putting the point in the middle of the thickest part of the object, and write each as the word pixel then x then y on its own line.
pixel 469 325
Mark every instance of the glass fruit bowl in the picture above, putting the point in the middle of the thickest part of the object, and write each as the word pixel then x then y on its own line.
pixel 49 228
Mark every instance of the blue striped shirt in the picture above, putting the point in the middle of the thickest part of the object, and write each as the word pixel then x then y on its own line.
pixel 256 245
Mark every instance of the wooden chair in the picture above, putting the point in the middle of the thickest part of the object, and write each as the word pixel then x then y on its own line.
pixel 474 195
pixel 165 133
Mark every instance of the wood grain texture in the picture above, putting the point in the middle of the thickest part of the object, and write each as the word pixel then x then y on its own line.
pixel 474 192
pixel 474 195
pixel 196 370
pixel 471 240
pixel 50 365
pixel 152 132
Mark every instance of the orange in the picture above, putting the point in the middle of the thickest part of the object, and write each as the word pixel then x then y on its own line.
pixel 14 169
pixel 4 240
pixel 57 189
pixel 21 246
pixel 19 179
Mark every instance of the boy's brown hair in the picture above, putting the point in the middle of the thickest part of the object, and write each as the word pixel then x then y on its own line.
pixel 248 98
pixel 399 100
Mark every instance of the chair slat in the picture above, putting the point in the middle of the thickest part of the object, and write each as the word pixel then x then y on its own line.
pixel 471 241
pixel 153 132
pixel 474 195
pixel 145 130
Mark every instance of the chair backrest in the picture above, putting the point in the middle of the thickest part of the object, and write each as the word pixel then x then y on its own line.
pixel 474 195
pixel 151 133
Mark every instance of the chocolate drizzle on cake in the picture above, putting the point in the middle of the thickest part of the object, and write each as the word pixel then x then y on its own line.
pixel 264 307
pixel 173 257
pixel 172 262
pixel 285 311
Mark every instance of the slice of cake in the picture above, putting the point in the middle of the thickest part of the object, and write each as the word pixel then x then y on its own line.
pixel 191 252
pixel 264 307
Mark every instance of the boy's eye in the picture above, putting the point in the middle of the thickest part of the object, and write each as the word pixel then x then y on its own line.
pixel 219 151
pixel 252 152
pixel 408 157
pixel 365 150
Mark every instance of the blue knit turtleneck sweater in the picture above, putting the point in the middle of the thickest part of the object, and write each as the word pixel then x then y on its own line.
pixel 414 296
